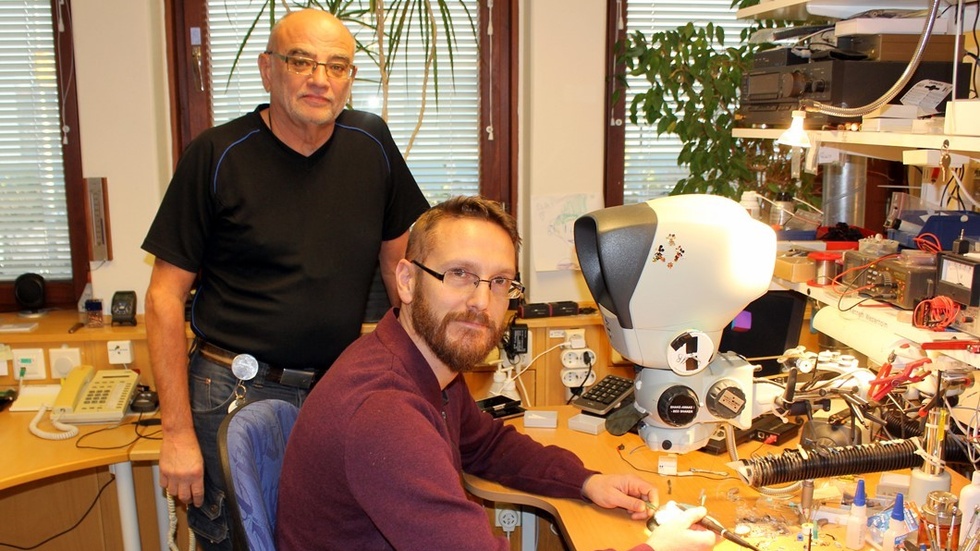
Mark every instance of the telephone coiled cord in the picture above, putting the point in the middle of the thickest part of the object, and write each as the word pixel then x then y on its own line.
pixel 172 518
pixel 67 431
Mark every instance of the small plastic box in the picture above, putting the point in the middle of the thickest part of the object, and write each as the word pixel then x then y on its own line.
pixel 540 419
pixel 584 422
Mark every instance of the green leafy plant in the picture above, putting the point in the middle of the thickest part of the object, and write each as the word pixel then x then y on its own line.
pixel 694 84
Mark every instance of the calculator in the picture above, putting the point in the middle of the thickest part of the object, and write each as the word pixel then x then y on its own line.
pixel 605 395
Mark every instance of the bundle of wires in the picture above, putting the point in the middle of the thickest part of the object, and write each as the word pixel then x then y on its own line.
pixel 936 313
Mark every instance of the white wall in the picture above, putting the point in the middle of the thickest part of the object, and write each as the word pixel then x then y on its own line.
pixel 561 117
pixel 124 110
pixel 120 61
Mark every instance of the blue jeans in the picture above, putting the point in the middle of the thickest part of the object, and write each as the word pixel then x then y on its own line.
pixel 212 390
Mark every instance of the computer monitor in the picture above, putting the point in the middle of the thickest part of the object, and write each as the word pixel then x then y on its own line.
pixel 767 327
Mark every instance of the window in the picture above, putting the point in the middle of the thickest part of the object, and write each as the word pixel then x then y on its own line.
pixel 640 165
pixel 454 153
pixel 42 219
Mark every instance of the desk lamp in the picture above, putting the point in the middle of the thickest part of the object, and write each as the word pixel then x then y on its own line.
pixel 797 139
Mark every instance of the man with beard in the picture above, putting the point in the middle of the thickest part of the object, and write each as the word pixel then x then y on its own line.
pixel 375 458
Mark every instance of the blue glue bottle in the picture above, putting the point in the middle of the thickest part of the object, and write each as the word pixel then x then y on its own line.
pixel 857 520
pixel 896 525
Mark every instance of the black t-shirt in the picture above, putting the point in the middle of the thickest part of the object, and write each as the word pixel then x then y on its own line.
pixel 286 245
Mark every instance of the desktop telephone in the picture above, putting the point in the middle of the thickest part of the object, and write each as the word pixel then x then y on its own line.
pixel 87 396
pixel 90 396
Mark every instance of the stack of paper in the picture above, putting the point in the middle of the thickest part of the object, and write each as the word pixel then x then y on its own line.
pixel 894 118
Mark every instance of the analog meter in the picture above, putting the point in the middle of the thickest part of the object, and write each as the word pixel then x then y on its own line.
pixel 959 278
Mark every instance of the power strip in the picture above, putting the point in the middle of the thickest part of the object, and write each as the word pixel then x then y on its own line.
pixel 575 378
pixel 582 358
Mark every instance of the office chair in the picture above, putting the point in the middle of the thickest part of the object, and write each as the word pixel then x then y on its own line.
pixel 251 443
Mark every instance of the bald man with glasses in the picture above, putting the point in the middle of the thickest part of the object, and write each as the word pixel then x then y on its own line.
pixel 281 217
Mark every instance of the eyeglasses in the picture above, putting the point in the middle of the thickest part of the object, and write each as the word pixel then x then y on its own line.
pixel 459 278
pixel 300 65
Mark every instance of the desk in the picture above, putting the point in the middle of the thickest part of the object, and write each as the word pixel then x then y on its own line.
pixel 586 527
pixel 28 465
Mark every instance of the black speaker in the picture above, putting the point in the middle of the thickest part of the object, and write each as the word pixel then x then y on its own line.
pixel 29 293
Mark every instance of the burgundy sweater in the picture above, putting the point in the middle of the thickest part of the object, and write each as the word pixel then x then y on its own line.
pixel 375 458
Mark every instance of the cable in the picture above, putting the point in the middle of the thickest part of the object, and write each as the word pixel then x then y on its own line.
pixel 91 506
pixel 67 431
pixel 172 532
pixel 936 313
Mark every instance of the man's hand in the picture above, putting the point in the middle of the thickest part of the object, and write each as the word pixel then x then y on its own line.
pixel 182 468
pixel 620 490
pixel 677 530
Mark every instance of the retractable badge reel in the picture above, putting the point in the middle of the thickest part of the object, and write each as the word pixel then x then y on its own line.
pixel 245 367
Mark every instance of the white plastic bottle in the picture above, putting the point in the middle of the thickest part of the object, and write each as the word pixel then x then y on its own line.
pixel 969 503
pixel 896 525
pixel 857 520
pixel 750 201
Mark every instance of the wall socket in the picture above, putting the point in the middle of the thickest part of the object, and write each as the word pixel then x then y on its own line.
pixel 575 378
pixel 506 517
pixel 31 360
pixel 575 338
pixel 120 352
pixel 578 358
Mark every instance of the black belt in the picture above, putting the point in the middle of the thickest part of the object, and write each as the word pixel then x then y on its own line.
pixel 296 378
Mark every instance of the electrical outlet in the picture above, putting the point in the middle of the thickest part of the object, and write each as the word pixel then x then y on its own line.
pixel 579 358
pixel 575 338
pixel 31 360
pixel 63 360
pixel 573 378
pixel 120 352
pixel 507 517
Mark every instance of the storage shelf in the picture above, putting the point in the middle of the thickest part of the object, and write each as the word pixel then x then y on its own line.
pixel 874 326
pixel 881 145
pixel 798 10
pixel 790 10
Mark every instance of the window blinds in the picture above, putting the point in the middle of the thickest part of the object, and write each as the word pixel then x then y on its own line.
pixel 33 210
pixel 650 161
pixel 444 157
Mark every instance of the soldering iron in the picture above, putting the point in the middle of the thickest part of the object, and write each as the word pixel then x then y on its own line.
pixel 710 523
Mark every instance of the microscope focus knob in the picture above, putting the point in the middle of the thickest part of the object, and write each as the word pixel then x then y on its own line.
pixel 725 399
pixel 678 406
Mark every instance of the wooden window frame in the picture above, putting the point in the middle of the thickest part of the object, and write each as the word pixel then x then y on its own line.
pixel 65 293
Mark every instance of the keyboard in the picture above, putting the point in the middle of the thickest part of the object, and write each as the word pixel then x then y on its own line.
pixel 605 395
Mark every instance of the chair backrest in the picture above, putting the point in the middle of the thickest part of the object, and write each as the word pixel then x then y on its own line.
pixel 251 443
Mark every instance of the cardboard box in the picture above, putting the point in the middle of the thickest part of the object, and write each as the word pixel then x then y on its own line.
pixel 796 269
pixel 962 116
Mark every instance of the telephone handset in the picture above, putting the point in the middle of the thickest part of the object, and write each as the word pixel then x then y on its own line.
pixel 89 396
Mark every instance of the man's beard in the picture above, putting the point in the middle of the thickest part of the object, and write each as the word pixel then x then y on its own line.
pixel 461 355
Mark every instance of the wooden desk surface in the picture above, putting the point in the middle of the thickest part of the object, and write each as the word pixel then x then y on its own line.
pixel 27 458
pixel 587 527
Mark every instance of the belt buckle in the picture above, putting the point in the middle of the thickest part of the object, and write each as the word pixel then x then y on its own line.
pixel 297 378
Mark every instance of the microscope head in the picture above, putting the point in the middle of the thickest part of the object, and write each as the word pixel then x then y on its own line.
pixel 668 275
